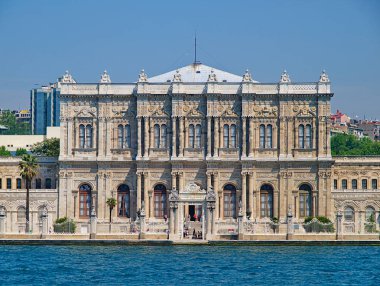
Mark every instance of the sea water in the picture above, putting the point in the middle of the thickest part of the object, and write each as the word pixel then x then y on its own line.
pixel 189 265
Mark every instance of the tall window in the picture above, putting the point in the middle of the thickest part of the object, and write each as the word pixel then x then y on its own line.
pixel 159 201
pixel 354 184
pixel 123 200
pixel 262 136
pixel 308 141
pixel 226 136
pixel 266 201
pixel 233 136
pixel 18 182
pixel 198 136
pixel 81 136
pixel 9 183
pixel 48 183
pixel 21 214
pixel 127 132
pixel 344 184
pixel 301 141
pixel 38 183
pixel 374 184
pixel 305 200
pixel 84 200
pixel 269 136
pixel 120 136
pixel 89 136
pixel 163 135
pixel 229 194
pixel 156 136
pixel 349 214
pixel 191 136
pixel 364 184
pixel 335 184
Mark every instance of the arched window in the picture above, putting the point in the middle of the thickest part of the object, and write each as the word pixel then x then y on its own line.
pixel 120 136
pixel 191 136
pixel 198 136
pixel 308 136
pixel 262 136
pixel 81 136
pixel 163 135
pixel 156 136
pixel 364 184
pixel 3 209
pixel 354 184
pixel 38 183
pixel 47 183
pixel 226 132
pixel 269 136
pixel 18 183
pixel 305 200
pixel 160 201
pixel 123 200
pixel 21 215
pixel 301 141
pixel 266 201
pixel 374 184
pixel 84 200
pixel 89 136
pixel 233 136
pixel 344 184
pixel 229 195
pixel 370 214
pixel 349 214
pixel 127 134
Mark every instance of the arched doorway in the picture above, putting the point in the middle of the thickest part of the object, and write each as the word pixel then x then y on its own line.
pixel 229 201
pixel 160 198
pixel 305 200
pixel 123 201
pixel 84 200
pixel 266 201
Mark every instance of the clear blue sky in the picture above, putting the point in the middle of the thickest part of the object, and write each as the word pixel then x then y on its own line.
pixel 39 40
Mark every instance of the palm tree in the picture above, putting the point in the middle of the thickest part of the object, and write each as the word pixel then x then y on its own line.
pixel 28 170
pixel 111 202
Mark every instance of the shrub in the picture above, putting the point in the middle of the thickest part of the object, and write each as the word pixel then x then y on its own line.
pixel 324 224
pixel 64 225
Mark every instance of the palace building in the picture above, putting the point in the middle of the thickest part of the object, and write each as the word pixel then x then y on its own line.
pixel 202 145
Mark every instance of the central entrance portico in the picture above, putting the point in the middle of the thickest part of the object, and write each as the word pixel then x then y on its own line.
pixel 200 205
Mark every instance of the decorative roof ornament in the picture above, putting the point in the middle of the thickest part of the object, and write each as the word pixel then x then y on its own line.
pixel 142 76
pixel 285 77
pixel 67 78
pixel 324 77
pixel 105 78
pixel 212 77
pixel 177 76
pixel 247 77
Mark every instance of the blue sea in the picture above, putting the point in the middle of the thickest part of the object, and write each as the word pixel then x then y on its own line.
pixel 189 265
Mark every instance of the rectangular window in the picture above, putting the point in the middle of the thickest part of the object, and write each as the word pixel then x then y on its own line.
pixel 364 184
pixel 48 183
pixel 9 183
pixel 335 184
pixel 354 184
pixel 374 184
pixel 1 183
pixel 38 183
pixel 18 181
pixel 344 184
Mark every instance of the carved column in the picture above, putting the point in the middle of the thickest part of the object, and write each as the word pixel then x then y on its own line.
pixel 2 221
pixel 250 195
pixel 244 193
pixel 139 142
pixel 208 174
pixel 174 136
pixel 146 136
pixel 186 134
pixel 216 137
pixel 251 137
pixel 244 138
pixel 181 137
pixel 138 199
pixel 209 136
pixel 146 194
pixel 275 204
pixel 70 137
pixel 174 180
pixel 216 189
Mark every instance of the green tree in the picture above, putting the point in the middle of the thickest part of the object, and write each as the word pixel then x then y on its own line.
pixel 4 152
pixel 111 202
pixel 8 119
pixel 48 147
pixel 28 170
pixel 21 151
pixel 346 145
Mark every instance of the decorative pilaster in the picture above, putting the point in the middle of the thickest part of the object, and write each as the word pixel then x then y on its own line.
pixel 290 226
pixel 250 195
pixel 174 137
pixel 209 136
pixel 339 226
pixel 93 220
pixel 138 197
pixel 146 137
pixel 244 137
pixel 251 137
pixel 146 194
pixel 216 137
pixel 244 193
pixel 44 219
pixel 210 199
pixel 181 137
pixel 2 221
pixel 139 142
pixel 173 219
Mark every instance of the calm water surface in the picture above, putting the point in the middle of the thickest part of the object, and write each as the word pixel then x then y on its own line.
pixel 189 265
